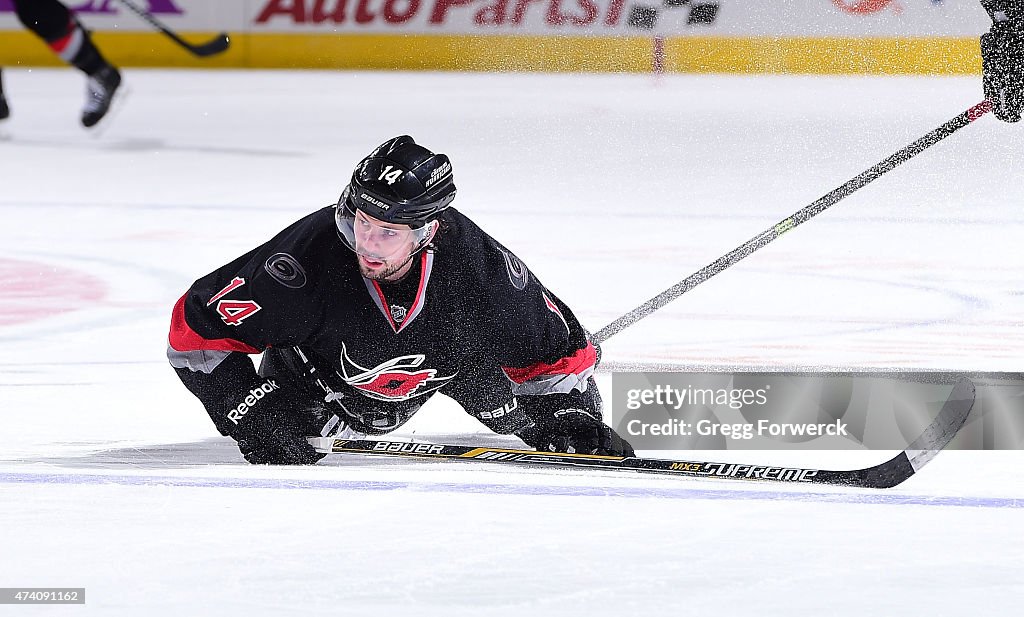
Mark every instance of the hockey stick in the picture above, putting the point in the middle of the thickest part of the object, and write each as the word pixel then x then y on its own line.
pixel 217 45
pixel 804 215
pixel 892 472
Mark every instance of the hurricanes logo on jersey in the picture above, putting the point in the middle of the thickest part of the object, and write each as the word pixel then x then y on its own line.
pixel 397 379
pixel 517 272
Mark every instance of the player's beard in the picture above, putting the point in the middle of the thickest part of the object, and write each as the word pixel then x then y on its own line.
pixel 382 274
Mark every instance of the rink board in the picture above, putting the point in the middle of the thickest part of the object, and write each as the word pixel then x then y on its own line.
pixel 727 36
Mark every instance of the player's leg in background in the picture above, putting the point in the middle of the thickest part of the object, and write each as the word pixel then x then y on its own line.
pixel 4 109
pixel 66 36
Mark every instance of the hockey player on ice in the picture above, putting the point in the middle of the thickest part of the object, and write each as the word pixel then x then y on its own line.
pixel 388 296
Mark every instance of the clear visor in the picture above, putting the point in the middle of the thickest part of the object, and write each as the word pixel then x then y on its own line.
pixel 377 240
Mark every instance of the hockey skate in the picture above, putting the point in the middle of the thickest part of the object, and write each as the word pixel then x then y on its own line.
pixel 100 91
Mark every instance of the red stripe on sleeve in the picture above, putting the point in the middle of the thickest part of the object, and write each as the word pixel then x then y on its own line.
pixel 571 365
pixel 61 43
pixel 183 338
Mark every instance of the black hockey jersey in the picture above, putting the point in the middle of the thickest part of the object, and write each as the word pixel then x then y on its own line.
pixel 473 319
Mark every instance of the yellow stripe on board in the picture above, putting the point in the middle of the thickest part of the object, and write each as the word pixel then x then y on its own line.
pixel 147 49
pixel 940 56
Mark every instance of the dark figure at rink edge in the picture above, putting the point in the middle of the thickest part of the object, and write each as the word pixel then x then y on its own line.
pixel 1002 53
pixel 57 26
pixel 388 297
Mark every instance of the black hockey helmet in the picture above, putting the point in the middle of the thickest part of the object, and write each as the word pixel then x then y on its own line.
pixel 400 182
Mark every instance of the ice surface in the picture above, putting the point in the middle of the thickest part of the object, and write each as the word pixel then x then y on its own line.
pixel 612 188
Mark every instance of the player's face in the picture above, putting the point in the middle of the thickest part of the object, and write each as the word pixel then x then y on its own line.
pixel 384 250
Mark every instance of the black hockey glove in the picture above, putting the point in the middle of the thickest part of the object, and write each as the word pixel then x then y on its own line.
pixel 269 417
pixel 575 431
pixel 1002 53
pixel 570 423
pixel 267 434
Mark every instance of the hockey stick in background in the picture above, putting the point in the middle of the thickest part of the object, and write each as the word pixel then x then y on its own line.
pixel 886 475
pixel 217 45
pixel 802 216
